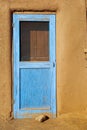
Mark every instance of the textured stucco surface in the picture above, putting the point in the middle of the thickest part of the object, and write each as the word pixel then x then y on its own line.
pixel 70 44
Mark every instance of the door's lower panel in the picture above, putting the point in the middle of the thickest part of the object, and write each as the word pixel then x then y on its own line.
pixel 34 89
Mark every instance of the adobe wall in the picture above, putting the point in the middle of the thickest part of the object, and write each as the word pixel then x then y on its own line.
pixel 70 44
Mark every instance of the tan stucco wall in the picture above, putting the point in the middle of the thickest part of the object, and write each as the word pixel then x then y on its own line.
pixel 70 44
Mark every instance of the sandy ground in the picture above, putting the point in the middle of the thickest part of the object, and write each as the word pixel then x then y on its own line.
pixel 64 122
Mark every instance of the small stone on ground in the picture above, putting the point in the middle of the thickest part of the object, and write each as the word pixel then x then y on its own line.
pixel 42 118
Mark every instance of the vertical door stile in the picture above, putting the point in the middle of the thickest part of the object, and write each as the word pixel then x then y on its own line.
pixel 53 40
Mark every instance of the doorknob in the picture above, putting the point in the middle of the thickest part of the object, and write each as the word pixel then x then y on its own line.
pixel 53 64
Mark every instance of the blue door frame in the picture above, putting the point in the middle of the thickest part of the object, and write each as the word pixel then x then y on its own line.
pixel 48 66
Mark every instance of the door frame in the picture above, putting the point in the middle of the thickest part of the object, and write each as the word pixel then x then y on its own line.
pixel 52 39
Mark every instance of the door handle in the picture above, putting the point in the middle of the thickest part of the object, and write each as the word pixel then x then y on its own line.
pixel 53 64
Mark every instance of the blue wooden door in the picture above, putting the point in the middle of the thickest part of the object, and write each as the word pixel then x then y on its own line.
pixel 34 65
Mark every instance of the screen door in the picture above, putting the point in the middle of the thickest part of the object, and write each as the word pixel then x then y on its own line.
pixel 34 65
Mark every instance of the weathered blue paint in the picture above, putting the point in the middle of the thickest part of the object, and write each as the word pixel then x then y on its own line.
pixel 34 82
pixel 37 94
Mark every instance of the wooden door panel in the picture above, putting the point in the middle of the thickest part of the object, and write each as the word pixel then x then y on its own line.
pixel 35 88
pixel 32 43
pixel 42 45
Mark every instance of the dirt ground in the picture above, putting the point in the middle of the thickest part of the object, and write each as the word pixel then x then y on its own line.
pixel 63 122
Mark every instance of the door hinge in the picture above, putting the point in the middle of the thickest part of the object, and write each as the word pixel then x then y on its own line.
pixel 13 25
